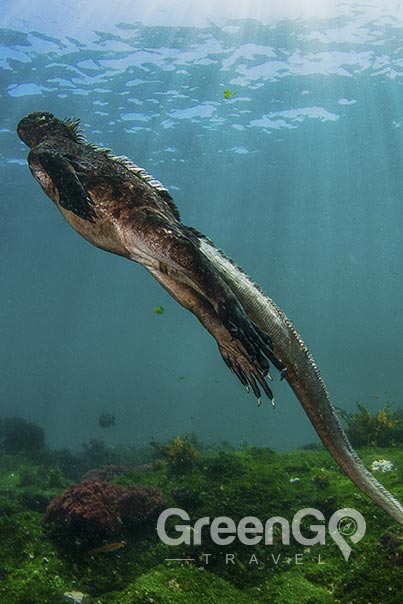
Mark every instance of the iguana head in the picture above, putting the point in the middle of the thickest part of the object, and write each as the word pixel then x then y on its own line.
pixel 35 127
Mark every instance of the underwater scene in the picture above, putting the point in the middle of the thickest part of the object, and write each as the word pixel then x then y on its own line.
pixel 218 419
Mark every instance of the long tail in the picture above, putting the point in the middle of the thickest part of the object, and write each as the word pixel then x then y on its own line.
pixel 304 378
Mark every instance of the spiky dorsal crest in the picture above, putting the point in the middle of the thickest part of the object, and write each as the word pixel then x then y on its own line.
pixel 146 177
pixel 73 124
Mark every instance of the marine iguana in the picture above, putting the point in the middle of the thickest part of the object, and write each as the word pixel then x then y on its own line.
pixel 118 207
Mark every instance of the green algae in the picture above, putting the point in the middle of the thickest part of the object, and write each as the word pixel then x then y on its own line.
pixel 180 454
pixel 36 569
pixel 30 569
pixel 189 585
pixel 383 428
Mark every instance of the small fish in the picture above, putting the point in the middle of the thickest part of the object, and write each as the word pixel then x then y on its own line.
pixel 228 94
pixel 109 547
pixel 106 420
pixel 158 310
pixel 76 596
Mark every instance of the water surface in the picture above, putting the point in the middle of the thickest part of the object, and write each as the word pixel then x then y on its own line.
pixel 297 176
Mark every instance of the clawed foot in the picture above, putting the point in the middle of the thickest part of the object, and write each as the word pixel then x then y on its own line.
pixel 248 351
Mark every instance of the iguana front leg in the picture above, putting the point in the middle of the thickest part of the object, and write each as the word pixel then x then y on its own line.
pixel 57 174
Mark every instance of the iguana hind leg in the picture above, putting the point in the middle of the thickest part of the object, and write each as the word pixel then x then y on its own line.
pixel 172 254
pixel 251 370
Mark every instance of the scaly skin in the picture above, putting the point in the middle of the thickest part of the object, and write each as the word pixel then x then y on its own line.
pixel 116 207
pixel 304 378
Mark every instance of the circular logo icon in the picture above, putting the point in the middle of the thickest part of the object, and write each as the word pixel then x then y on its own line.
pixel 347 526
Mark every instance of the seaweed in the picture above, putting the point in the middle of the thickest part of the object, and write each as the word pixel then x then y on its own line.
pixel 37 567
pixel 381 429
pixel 180 454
